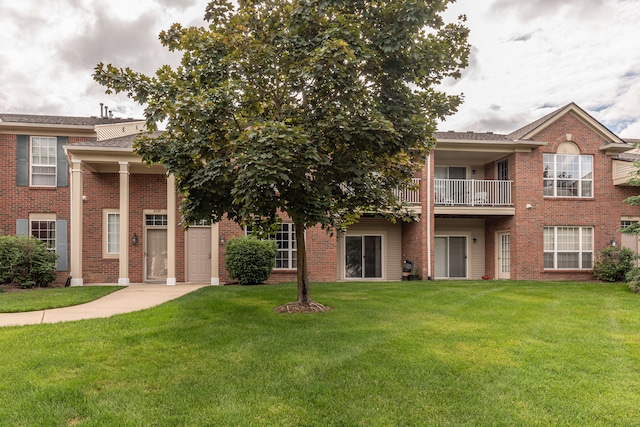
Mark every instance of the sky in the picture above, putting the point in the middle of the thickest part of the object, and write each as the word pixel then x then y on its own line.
pixel 528 58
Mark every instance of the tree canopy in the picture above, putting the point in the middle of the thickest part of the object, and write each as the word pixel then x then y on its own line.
pixel 316 108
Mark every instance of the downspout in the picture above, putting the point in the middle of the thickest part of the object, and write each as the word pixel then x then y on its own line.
pixel 428 201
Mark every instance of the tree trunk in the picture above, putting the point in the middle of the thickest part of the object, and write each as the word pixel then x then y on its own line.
pixel 303 277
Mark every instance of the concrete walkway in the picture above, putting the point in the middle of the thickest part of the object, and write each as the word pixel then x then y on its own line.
pixel 132 298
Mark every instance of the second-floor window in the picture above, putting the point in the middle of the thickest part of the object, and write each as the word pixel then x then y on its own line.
pixel 43 161
pixel 568 175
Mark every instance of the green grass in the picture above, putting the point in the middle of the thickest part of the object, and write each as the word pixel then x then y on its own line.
pixel 48 298
pixel 389 354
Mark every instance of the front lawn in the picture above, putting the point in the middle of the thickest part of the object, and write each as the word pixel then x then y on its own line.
pixel 389 354
pixel 48 298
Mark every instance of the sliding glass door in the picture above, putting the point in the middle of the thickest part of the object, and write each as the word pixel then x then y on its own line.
pixel 451 257
pixel 363 257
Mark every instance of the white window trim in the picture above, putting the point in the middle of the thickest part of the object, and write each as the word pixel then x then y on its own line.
pixel 582 244
pixel 580 180
pixel 105 233
pixel 33 165
pixel 290 250
pixel 43 217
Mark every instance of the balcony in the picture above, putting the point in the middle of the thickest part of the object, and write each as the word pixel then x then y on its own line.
pixel 410 194
pixel 472 193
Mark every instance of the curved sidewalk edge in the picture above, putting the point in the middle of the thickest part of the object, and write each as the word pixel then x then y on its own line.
pixel 134 297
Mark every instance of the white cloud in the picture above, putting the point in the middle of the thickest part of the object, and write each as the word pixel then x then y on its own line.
pixel 539 55
pixel 528 57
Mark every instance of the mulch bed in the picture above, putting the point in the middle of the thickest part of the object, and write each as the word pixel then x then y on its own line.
pixel 296 307
pixel 14 287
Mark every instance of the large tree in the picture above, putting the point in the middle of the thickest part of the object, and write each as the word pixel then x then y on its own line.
pixel 316 108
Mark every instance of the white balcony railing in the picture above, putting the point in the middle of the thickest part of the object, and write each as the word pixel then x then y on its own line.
pixel 472 192
pixel 411 194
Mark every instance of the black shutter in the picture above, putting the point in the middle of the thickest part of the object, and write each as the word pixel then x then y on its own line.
pixel 22 153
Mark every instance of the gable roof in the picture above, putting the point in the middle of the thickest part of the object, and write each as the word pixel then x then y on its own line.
pixel 532 129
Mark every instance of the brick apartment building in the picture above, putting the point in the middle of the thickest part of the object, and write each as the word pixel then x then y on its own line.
pixel 537 204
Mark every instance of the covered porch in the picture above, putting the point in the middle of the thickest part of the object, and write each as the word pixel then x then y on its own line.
pixel 148 252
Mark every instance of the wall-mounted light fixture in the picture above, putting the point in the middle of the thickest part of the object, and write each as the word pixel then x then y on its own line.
pixel 134 240
pixel 222 241
pixel 475 240
pixel 613 242
pixel 529 206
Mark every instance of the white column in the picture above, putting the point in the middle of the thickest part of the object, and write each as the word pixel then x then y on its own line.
pixel 76 223
pixel 123 270
pixel 215 253
pixel 171 230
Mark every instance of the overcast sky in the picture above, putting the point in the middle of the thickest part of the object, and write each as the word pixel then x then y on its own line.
pixel 528 57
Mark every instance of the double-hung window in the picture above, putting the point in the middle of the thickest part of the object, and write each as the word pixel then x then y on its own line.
pixel 568 248
pixel 43 161
pixel 49 229
pixel 568 175
pixel 45 230
pixel 111 233
pixel 285 237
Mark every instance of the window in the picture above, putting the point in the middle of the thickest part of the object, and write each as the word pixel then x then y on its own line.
pixel 51 230
pixel 568 175
pixel 568 248
pixel 113 233
pixel 502 169
pixel 156 219
pixel 43 161
pixel 285 237
pixel 44 230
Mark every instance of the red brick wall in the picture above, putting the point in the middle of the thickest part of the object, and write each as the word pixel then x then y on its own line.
pixel 146 192
pixel 602 212
pixel 322 259
pixel 19 202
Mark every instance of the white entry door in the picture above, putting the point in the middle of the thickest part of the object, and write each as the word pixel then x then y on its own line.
pixel 199 254
pixel 504 255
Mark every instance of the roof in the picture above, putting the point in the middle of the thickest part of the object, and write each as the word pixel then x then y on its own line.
pixel 532 129
pixel 119 142
pixel 518 134
pixel 470 136
pixel 61 120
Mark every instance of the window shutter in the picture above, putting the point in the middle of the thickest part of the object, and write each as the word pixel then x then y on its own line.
pixel 22 152
pixel 22 227
pixel 61 245
pixel 63 167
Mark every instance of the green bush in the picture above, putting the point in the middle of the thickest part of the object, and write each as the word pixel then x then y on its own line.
pixel 633 279
pixel 26 261
pixel 250 260
pixel 614 263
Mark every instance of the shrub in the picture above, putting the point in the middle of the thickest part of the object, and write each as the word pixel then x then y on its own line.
pixel 26 261
pixel 614 263
pixel 633 279
pixel 250 260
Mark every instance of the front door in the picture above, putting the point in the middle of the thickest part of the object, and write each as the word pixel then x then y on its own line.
pixel 451 257
pixel 156 255
pixel 363 257
pixel 199 254
pixel 504 255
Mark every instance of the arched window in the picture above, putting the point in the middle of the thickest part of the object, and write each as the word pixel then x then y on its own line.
pixel 567 173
